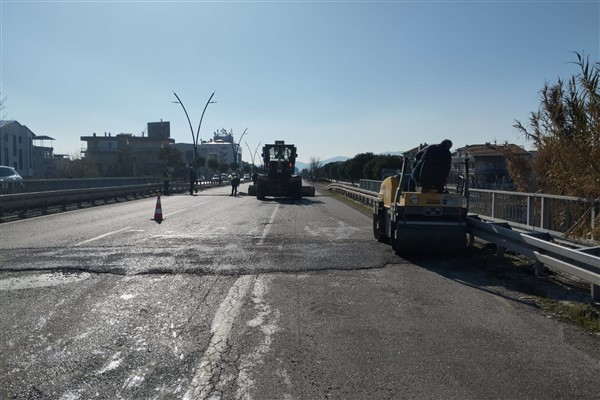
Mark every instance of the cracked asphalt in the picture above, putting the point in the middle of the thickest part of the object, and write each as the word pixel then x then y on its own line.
pixel 233 298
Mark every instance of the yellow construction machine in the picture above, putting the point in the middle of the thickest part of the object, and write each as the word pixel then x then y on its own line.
pixel 424 220
pixel 278 178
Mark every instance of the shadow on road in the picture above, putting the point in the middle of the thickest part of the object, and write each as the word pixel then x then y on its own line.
pixel 511 278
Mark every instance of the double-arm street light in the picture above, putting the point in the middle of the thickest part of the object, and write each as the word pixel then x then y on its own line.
pixel 253 155
pixel 236 146
pixel 194 138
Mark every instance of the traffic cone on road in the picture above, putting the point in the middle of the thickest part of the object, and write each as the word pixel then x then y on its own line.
pixel 158 211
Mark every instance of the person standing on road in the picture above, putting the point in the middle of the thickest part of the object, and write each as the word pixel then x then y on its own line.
pixel 235 181
pixel 166 181
pixel 193 178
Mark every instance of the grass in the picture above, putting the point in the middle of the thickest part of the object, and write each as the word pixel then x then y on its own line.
pixel 586 316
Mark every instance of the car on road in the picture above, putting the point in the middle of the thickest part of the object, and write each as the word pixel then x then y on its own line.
pixel 10 179
pixel 9 174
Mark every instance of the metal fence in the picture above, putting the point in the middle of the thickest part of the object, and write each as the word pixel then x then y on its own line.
pixel 46 185
pixel 549 215
pixel 561 215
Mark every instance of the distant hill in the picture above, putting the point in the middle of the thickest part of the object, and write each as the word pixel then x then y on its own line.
pixel 392 153
pixel 301 165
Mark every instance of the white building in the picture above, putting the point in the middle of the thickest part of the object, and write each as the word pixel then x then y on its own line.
pixel 221 148
pixel 16 147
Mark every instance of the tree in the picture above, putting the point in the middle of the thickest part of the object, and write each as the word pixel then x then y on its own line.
pixel 315 164
pixel 356 165
pixel 566 134
pixel 171 156
pixel 213 164
pixel 82 167
pixel 2 106
pixel 373 168
pixel 223 168
pixel 199 162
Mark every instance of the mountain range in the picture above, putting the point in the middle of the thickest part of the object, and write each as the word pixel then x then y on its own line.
pixel 302 165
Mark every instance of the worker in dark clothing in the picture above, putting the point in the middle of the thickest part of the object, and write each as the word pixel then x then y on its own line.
pixel 193 179
pixel 254 178
pixel 235 181
pixel 432 167
pixel 166 181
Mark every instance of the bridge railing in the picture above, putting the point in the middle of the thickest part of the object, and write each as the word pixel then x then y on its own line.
pixel 560 215
pixel 42 195
pixel 531 215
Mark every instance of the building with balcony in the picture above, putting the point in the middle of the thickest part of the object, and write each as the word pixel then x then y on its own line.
pixel 16 147
pixel 488 165
pixel 222 148
pixel 128 155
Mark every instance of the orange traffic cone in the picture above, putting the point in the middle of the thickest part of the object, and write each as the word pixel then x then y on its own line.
pixel 158 211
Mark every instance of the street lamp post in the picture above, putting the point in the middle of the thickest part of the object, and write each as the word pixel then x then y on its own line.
pixel 194 138
pixel 235 147
pixel 253 155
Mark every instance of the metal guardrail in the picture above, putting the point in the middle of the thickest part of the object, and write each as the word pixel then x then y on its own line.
pixel 47 185
pixel 581 262
pixel 556 214
pixel 21 203
pixel 362 195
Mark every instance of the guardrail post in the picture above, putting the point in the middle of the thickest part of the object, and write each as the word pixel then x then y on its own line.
pixel 539 269
pixel 500 251
pixel 593 222
pixel 471 239
pixel 595 293
pixel 543 213
pixel 530 210
pixel 493 205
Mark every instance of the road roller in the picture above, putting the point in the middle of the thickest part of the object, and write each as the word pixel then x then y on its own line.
pixel 421 219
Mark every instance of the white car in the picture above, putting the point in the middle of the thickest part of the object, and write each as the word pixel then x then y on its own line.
pixel 9 174
pixel 10 180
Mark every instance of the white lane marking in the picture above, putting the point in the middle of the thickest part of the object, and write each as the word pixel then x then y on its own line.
pixel 184 209
pixel 210 363
pixel 41 280
pixel 266 322
pixel 102 236
pixel 268 225
pixel 199 204
pixel 174 212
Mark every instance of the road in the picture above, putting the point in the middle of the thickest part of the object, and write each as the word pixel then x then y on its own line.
pixel 234 298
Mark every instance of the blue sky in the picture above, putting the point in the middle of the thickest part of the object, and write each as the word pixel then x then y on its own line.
pixel 335 78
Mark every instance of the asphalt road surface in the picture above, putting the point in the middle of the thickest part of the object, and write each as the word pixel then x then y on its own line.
pixel 234 298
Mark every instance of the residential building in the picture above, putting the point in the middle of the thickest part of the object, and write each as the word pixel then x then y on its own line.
pixel 46 164
pixel 16 147
pixel 488 165
pixel 221 148
pixel 128 155
pixel 187 152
